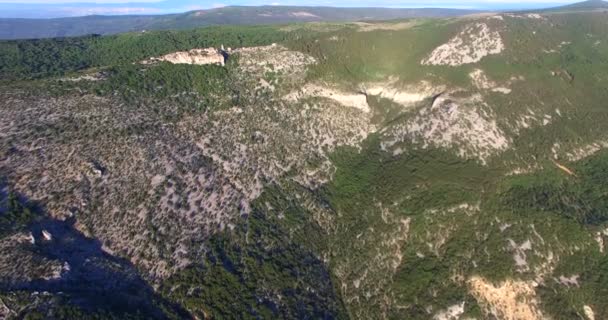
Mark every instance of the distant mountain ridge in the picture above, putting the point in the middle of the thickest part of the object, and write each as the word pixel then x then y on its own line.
pixel 26 28
pixel 579 6
pixel 15 28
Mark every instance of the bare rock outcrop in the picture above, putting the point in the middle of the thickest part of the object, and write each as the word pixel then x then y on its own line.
pixel 473 43
pixel 466 125
pixel 195 56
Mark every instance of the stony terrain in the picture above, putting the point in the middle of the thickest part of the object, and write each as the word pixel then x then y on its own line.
pixel 470 45
pixel 336 173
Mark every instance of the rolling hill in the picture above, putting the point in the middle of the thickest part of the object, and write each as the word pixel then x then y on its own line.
pixel 589 5
pixel 66 27
pixel 430 168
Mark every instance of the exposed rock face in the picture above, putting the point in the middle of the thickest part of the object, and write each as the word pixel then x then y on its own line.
pixel 464 124
pixel 469 46
pixel 347 99
pixel 194 56
pixel 405 96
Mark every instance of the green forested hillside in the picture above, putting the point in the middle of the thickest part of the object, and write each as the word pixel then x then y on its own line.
pixel 28 59
pixel 412 169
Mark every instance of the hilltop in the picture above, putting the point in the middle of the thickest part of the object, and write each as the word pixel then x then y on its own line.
pixel 590 5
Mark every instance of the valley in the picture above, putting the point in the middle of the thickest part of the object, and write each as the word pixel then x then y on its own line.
pixel 427 168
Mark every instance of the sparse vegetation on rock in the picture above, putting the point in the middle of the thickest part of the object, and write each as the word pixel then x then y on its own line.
pixel 322 171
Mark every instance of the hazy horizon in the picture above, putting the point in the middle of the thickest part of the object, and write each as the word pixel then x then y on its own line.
pixel 73 8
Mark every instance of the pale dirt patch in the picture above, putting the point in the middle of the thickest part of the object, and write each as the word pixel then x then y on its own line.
pixel 473 43
pixel 564 169
pixel 509 300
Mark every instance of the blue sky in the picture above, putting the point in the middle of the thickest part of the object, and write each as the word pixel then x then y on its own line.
pixel 63 8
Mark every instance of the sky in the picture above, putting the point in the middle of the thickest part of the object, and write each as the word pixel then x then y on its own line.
pixel 67 8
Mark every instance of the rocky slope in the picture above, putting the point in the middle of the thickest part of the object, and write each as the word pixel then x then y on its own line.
pixel 337 174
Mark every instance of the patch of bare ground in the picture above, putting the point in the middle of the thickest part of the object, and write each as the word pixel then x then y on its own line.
pixel 509 300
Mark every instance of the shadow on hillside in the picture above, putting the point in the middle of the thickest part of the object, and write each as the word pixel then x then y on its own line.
pixel 91 278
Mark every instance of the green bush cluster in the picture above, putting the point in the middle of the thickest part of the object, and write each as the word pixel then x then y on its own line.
pixel 15 215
